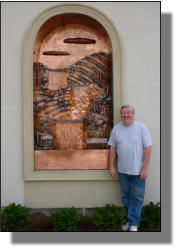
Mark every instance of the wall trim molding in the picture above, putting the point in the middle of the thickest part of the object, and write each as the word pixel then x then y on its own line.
pixel 27 77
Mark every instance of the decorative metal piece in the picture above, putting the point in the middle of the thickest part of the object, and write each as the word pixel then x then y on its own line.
pixel 56 53
pixel 72 98
pixel 80 41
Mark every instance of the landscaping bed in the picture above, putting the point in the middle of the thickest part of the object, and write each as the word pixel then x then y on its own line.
pixel 42 223
pixel 16 218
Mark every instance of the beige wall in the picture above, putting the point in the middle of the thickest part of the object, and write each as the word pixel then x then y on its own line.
pixel 138 28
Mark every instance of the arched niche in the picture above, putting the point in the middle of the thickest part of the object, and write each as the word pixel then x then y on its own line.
pixel 39 51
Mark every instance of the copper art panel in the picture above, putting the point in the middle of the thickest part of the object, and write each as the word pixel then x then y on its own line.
pixel 72 97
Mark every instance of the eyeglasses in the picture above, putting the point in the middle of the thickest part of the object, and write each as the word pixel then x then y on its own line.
pixel 122 113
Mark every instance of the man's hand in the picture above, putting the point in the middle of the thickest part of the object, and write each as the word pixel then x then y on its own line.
pixel 143 173
pixel 112 172
pixel 144 170
pixel 112 155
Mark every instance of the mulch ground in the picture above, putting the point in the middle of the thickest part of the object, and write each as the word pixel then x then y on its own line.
pixel 42 223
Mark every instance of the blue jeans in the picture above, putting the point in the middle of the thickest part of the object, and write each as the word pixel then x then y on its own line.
pixel 132 194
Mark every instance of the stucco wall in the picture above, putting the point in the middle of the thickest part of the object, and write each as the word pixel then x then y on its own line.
pixel 139 32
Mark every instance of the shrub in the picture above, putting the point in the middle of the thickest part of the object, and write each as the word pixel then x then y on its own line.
pixel 15 216
pixel 66 219
pixel 108 216
pixel 150 216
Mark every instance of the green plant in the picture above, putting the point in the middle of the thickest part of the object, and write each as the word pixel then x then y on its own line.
pixel 15 216
pixel 66 219
pixel 150 216
pixel 108 216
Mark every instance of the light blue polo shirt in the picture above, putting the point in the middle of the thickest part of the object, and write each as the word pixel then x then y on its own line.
pixel 130 142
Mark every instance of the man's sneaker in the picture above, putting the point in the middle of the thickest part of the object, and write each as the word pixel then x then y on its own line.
pixel 125 227
pixel 133 229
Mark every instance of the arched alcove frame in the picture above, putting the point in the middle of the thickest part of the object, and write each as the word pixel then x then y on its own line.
pixel 63 175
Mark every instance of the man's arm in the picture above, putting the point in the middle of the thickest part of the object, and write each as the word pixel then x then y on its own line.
pixel 112 155
pixel 146 159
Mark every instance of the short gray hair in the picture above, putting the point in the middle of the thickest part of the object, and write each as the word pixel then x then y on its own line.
pixel 126 106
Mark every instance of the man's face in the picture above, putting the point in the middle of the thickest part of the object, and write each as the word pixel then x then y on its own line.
pixel 127 116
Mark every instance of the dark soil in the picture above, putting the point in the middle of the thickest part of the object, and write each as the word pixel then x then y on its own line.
pixel 42 223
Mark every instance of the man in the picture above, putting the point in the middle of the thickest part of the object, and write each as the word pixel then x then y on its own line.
pixel 133 143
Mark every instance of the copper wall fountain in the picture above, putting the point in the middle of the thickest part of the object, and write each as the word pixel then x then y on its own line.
pixel 73 114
